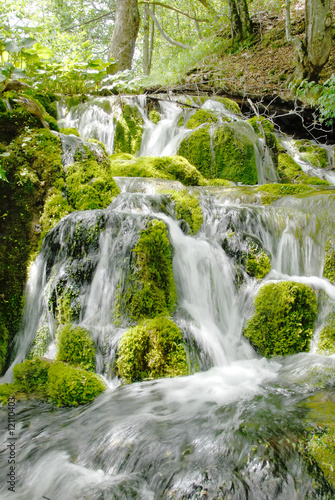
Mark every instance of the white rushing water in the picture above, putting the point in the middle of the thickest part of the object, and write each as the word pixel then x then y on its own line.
pixel 215 433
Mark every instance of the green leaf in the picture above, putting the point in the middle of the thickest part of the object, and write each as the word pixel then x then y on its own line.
pixel 13 47
pixel 28 42
pixel 42 51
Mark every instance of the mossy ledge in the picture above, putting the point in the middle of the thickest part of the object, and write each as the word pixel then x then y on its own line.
pixel 187 208
pixel 284 318
pixel 54 381
pixel 153 349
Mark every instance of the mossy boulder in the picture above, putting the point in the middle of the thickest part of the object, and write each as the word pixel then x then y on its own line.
pixel 153 349
pixel 69 131
pixel 315 155
pixel 154 116
pixel 284 318
pixel 274 191
pixel 258 263
pixel 128 132
pixel 265 130
pixel 200 117
pixel 196 148
pixel 58 382
pixel 187 208
pixel 151 289
pixel 41 341
pixel 289 170
pixel 69 386
pixel 235 157
pixel 165 167
pixel 76 347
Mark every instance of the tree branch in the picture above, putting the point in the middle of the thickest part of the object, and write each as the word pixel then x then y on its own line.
pixel 91 21
pixel 164 34
pixel 161 4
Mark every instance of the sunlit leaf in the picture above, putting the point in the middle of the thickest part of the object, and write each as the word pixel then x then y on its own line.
pixel 13 47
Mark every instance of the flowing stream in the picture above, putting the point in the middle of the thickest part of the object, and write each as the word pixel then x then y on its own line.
pixel 228 430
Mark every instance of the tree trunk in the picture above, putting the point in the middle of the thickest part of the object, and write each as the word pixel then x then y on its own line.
pixel 127 22
pixel 243 13
pixel 235 22
pixel 239 19
pixel 288 20
pixel 314 52
pixel 146 41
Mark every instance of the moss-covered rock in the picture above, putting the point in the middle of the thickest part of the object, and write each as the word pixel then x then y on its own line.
pixel 128 132
pixel 315 155
pixel 257 264
pixel 265 130
pixel 200 117
pixel 154 116
pixel 165 167
pixel 151 290
pixel 187 207
pixel 41 341
pixel 45 379
pixel 322 444
pixel 55 208
pixel 69 131
pixel 196 148
pixel 76 347
pixel 329 267
pixel 32 166
pixel 219 182
pixel 69 386
pixel 89 182
pixel 271 192
pixel 229 104
pixel 326 342
pixel 153 349
pixel 284 319
pixel 289 170
pixel 235 157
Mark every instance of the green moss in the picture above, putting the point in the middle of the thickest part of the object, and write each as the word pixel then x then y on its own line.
pixel 41 342
pixel 69 386
pixel 284 319
pixel 219 182
pixel 3 346
pixel 153 349
pixel 200 117
pixel 329 267
pixel 154 116
pixel 32 166
pixel 3 107
pixel 69 131
pixel 76 347
pixel 128 132
pixel 258 264
pixel 230 105
pixel 165 167
pixel 235 157
pixel 89 182
pixel 55 208
pixel 151 291
pixel 187 207
pixel 196 148
pixel 265 128
pixel 31 376
pixel 289 170
pixel 326 343
pixel 67 308
pixel 316 181
pixel 315 155
pixel 271 192
pixel 322 444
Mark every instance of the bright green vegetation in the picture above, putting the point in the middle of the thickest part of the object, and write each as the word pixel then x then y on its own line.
pixel 32 165
pixel 315 155
pixel 322 444
pixel 128 133
pixel 154 116
pixel 89 183
pixel 153 349
pixel 68 131
pixel 326 343
pixel 165 167
pixel 187 207
pixel 41 342
pixel 219 182
pixel 264 129
pixel 151 291
pixel 329 267
pixel 55 208
pixel 69 386
pixel 235 157
pixel 289 170
pixel 284 319
pixel 258 263
pixel 271 192
pixel 45 379
pixel 200 117
pixel 196 148
pixel 76 347
pixel 230 105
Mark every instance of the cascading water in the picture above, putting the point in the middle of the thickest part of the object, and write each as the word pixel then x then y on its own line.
pixel 228 430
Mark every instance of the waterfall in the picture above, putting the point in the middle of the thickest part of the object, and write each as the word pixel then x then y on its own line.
pixel 231 429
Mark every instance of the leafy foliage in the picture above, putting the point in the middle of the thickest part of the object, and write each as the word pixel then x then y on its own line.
pixel 153 349
pixel 320 95
pixel 284 319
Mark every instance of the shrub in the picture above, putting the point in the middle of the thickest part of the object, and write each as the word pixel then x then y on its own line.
pixel 69 386
pixel 284 319
pixel 76 347
pixel 153 349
